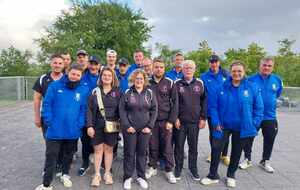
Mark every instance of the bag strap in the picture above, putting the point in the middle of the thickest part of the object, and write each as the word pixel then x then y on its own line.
pixel 100 102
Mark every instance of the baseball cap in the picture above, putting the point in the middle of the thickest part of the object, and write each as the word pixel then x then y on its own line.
pixel 81 52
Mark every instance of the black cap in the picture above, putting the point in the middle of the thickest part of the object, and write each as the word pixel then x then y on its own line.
pixel 123 61
pixel 81 52
pixel 94 59
pixel 214 58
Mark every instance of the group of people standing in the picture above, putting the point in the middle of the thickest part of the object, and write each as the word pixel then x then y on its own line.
pixel 156 112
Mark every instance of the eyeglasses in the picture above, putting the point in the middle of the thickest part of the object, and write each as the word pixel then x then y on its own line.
pixel 139 78
pixel 266 65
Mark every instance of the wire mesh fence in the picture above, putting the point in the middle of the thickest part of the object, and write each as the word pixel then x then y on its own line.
pixel 20 88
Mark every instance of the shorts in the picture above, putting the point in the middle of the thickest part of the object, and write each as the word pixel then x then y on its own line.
pixel 100 137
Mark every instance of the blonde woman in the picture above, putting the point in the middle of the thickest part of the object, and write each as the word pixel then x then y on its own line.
pixel 103 142
pixel 138 112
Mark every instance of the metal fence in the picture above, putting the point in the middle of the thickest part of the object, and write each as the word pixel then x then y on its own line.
pixel 16 88
pixel 20 88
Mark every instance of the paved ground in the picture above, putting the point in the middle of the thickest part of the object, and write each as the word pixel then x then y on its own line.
pixel 22 157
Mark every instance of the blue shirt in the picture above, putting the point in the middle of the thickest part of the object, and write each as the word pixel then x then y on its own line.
pixel 271 88
pixel 174 75
pixel 123 81
pixel 89 80
pixel 133 67
pixel 212 82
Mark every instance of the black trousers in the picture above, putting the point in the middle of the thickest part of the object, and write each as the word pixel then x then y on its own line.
pixel 161 142
pixel 189 131
pixel 60 155
pixel 86 148
pixel 210 127
pixel 52 151
pixel 237 144
pixel 269 130
pixel 135 153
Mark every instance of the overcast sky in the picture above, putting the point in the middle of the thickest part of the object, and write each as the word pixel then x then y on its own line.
pixel 181 24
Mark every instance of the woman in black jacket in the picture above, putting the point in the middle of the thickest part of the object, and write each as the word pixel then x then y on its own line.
pixel 102 141
pixel 138 112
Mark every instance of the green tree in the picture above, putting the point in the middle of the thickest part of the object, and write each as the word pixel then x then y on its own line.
pixel 14 62
pixel 201 57
pixel 97 27
pixel 287 63
pixel 166 53
pixel 250 56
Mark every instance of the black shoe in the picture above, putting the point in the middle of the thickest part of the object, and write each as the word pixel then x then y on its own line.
pixel 177 175
pixel 195 176
pixel 82 171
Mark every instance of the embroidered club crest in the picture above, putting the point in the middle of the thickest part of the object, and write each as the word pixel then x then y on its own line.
pixel 132 99
pixel 164 89
pixel 246 93
pixel 181 89
pixel 196 89
pixel 224 78
pixel 77 97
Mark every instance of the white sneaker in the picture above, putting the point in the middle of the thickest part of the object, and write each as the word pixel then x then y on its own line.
pixel 266 165
pixel 208 181
pixel 170 177
pixel 150 172
pixel 66 180
pixel 231 182
pixel 42 187
pixel 143 183
pixel 127 184
pixel 245 164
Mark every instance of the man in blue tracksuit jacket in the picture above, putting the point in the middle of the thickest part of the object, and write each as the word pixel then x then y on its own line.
pixel 64 110
pixel 237 109
pixel 123 74
pixel 176 72
pixel 271 88
pixel 213 79
pixel 89 79
pixel 138 57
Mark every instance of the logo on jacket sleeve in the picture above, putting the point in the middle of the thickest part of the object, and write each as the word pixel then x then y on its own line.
pixel 246 93
pixel 60 91
pixel 77 97
pixel 274 87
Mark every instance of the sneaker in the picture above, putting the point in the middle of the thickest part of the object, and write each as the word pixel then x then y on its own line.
pixel 127 184
pixel 231 182
pixel 150 172
pixel 208 181
pixel 108 179
pixel 208 159
pixel 42 187
pixel 82 171
pixel 226 160
pixel 195 176
pixel 266 166
pixel 96 181
pixel 66 180
pixel 245 164
pixel 143 183
pixel 170 177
